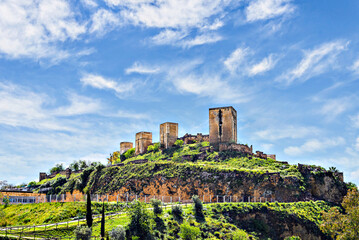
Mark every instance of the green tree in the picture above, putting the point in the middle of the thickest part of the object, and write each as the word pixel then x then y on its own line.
pixel 103 221
pixel 177 213
pixel 89 219
pixel 83 233
pixel 57 168
pixel 139 221
pixel 198 209
pixel 118 233
pixel 156 204
pixel 188 232
pixel 343 224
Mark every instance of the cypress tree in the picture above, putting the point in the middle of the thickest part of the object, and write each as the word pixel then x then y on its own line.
pixel 103 221
pixel 89 210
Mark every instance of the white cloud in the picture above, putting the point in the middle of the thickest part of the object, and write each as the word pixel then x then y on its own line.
pixel 265 65
pixel 355 67
pixel 355 121
pixel 357 144
pixel 33 28
pixel 267 9
pixel 103 21
pixel 314 145
pixel 234 61
pixel 142 69
pixel 169 13
pixel 314 62
pixel 201 39
pixel 79 105
pixel 90 3
pixel 334 107
pixel 284 132
pixel 100 82
pixel 186 80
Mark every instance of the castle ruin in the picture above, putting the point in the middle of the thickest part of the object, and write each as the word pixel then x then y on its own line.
pixel 168 134
pixel 143 140
pixel 222 125
pixel 124 146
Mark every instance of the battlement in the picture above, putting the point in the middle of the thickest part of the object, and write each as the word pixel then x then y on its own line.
pixel 188 138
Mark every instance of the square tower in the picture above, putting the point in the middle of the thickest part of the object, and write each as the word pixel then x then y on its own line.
pixel 168 134
pixel 222 125
pixel 124 146
pixel 143 140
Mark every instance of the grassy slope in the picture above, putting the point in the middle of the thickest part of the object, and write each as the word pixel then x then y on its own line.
pixel 218 224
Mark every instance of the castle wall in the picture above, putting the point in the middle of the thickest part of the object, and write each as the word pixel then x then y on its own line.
pixel 124 146
pixel 188 138
pixel 143 140
pixel 168 134
pixel 222 125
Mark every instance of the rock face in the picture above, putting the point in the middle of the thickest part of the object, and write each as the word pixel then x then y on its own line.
pixel 185 182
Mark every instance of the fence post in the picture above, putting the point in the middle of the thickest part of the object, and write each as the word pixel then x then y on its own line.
pixel 249 199
pixel 145 199
pixel 117 198
pixel 217 198
pixel 171 199
pixel 224 198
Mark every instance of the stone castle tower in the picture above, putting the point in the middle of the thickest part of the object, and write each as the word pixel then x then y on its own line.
pixel 168 134
pixel 222 125
pixel 124 146
pixel 143 140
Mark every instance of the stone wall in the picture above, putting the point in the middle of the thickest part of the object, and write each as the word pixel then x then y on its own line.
pixel 168 134
pixel 235 147
pixel 143 140
pixel 124 146
pixel 222 125
pixel 188 138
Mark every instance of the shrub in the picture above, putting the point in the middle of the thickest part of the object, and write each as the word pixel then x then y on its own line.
pixel 156 204
pixel 129 153
pixel 178 142
pixel 188 232
pixel 82 233
pixel 177 213
pixel 240 235
pixel 118 233
pixel 139 220
pixel 198 208
pixel 153 148
pixel 292 238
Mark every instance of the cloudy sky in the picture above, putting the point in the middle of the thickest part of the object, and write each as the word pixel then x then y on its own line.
pixel 79 77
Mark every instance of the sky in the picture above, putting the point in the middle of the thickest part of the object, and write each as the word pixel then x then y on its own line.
pixel 79 77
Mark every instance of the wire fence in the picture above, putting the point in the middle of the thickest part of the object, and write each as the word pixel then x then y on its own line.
pixel 125 198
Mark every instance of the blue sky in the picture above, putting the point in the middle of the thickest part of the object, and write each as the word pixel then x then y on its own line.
pixel 79 77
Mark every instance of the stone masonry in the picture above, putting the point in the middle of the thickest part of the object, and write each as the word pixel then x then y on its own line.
pixel 124 146
pixel 168 134
pixel 222 125
pixel 143 140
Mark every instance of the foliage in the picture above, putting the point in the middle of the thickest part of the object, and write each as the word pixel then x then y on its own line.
pixel 177 213
pixel 178 142
pixel 154 147
pixel 31 184
pixel 89 219
pixel 292 238
pixel 156 204
pixel 139 220
pixel 198 208
pixel 351 185
pixel 240 235
pixel 82 233
pixel 113 157
pixel 129 153
pixel 57 168
pixel 343 225
pixel 118 233
pixel 189 232
pixel 5 201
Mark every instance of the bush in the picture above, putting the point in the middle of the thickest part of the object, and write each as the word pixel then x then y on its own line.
pixel 178 142
pixel 188 232
pixel 177 213
pixel 118 233
pixel 129 153
pixel 156 204
pixel 139 221
pixel 153 148
pixel 82 233
pixel 292 238
pixel 198 208
pixel 240 235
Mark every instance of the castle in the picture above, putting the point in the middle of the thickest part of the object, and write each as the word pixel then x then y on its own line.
pixel 222 135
